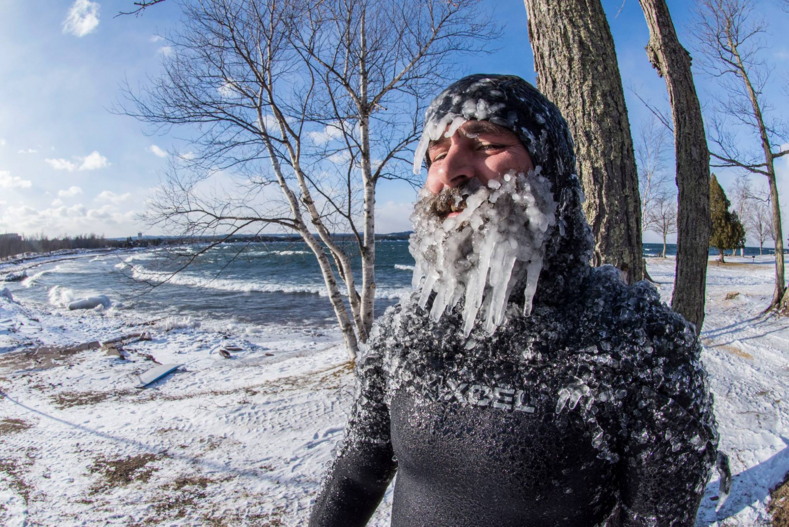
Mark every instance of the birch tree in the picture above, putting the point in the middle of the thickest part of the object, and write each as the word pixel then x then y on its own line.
pixel 672 62
pixel 577 69
pixel 308 106
pixel 729 36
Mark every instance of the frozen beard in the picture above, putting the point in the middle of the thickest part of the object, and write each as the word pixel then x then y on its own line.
pixel 483 253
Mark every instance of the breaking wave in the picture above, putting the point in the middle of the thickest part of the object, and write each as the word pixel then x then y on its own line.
pixel 249 286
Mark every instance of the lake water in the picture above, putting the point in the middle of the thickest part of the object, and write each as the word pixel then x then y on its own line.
pixel 274 283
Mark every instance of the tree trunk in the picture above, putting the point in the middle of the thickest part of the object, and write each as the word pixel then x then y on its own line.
pixel 664 245
pixel 780 299
pixel 368 247
pixel 721 260
pixel 672 62
pixel 577 69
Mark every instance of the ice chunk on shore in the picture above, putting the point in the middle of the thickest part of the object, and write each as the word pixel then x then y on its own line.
pixel 91 302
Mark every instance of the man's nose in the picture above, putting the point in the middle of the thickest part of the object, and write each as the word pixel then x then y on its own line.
pixel 457 167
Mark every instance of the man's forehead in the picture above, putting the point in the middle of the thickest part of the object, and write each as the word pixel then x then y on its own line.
pixel 474 128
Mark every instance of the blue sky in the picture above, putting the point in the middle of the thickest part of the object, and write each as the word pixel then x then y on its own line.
pixel 68 165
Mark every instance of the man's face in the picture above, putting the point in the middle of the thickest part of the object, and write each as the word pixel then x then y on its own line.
pixel 477 150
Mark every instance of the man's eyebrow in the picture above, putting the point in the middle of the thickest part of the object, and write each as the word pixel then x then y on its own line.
pixel 472 128
pixel 440 142
pixel 484 127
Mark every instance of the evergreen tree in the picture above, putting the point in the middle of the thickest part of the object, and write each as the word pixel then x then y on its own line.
pixel 726 230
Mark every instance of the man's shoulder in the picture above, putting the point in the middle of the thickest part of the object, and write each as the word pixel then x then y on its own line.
pixel 636 312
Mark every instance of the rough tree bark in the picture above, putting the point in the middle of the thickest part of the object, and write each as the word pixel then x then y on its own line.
pixel 672 62
pixel 577 69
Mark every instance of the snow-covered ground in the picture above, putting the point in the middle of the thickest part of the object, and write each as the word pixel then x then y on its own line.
pixel 244 441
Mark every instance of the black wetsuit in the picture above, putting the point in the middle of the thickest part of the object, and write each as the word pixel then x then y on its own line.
pixel 566 417
pixel 594 409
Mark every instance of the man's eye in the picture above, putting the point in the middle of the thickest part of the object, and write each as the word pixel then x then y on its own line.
pixel 490 146
pixel 438 156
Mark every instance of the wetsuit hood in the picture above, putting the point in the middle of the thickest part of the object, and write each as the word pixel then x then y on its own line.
pixel 513 103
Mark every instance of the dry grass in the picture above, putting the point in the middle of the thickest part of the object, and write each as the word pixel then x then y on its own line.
pixel 734 350
pixel 779 504
pixel 120 472
pixel 15 472
pixel 12 426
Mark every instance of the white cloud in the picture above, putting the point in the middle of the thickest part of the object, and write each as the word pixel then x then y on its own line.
pixel 156 38
pixel 8 181
pixel 57 203
pixel 77 219
pixel 2 142
pixel 112 197
pixel 93 161
pixel 82 19
pixel 61 164
pixel 28 151
pixel 393 217
pixel 227 90
pixel 70 193
pixel 781 54
pixel 157 151
pixel 340 158
pixel 329 133
pixel 188 156
pixel 166 51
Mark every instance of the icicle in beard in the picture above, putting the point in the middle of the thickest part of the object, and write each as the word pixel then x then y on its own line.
pixel 495 245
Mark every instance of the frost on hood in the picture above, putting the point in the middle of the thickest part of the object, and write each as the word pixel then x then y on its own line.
pixel 497 243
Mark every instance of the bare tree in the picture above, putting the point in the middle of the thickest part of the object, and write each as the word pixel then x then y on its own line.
pixel 651 147
pixel 662 216
pixel 672 62
pixel 140 6
pixel 658 194
pixel 742 196
pixel 308 106
pixel 754 209
pixel 577 69
pixel 729 36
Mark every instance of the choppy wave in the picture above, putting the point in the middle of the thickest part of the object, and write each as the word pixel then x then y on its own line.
pixel 60 296
pixel 404 267
pixel 248 286
pixel 31 280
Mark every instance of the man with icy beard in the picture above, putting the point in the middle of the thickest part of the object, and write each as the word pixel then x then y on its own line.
pixel 518 385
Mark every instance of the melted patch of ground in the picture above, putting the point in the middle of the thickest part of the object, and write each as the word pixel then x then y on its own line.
pixel 15 470
pixel 12 426
pixel 123 471
pixel 43 357
pixel 779 504
pixel 331 378
pixel 71 399
pixel 227 518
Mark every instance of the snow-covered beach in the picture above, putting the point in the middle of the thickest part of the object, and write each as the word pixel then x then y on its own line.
pixel 244 440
